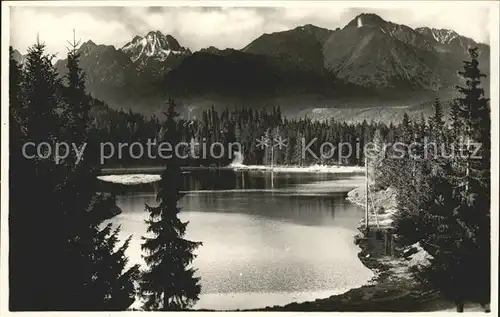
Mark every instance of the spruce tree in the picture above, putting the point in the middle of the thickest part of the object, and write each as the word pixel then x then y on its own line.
pixel 406 131
pixel 16 108
pixel 19 246
pixel 473 182
pixel 437 120
pixel 36 224
pixel 456 219
pixel 437 125
pixel 100 281
pixel 60 258
pixel 169 283
pixel 408 172
pixel 77 108
pixel 297 156
pixel 440 232
pixel 374 160
pixel 455 120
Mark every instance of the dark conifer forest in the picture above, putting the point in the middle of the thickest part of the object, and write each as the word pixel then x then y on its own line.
pixel 242 126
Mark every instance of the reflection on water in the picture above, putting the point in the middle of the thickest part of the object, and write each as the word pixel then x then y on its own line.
pixel 261 245
pixel 198 180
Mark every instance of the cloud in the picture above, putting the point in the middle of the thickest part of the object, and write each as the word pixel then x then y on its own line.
pixel 56 29
pixel 199 27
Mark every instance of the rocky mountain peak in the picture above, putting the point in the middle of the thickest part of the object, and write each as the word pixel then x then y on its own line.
pixel 154 44
pixel 86 47
pixel 18 57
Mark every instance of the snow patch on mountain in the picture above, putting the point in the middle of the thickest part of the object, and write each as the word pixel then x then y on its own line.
pixel 444 36
pixel 360 22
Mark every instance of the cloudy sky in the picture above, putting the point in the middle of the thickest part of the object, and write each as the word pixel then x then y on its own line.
pixel 198 27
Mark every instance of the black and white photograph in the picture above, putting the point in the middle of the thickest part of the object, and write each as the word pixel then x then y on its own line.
pixel 249 156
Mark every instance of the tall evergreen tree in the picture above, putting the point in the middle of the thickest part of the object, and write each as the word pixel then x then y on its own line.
pixel 375 159
pixel 297 156
pixel 437 126
pixel 455 222
pixel 19 247
pixel 440 231
pixel 473 171
pixel 58 228
pixel 77 101
pixel 455 120
pixel 168 283
pixel 408 173
pixel 33 221
pixel 100 279
pixel 406 131
pixel 437 120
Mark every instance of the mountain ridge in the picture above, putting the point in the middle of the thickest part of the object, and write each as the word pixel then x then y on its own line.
pixel 369 55
pixel 162 48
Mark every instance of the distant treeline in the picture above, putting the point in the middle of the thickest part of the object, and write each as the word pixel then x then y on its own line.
pixel 302 139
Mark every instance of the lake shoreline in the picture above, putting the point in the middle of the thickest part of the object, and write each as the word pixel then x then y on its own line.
pixel 152 170
pixel 393 289
pixel 290 211
pixel 390 289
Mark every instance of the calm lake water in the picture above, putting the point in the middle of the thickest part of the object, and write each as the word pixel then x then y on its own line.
pixel 268 239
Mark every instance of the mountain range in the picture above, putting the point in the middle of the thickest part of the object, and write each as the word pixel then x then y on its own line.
pixel 369 68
